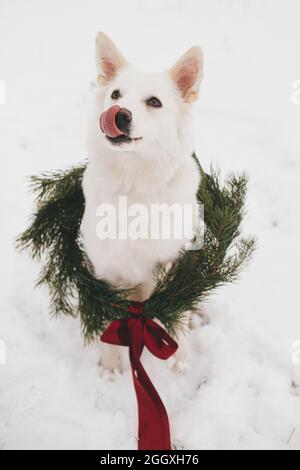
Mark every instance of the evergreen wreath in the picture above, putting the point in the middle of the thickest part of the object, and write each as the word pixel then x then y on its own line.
pixel 54 236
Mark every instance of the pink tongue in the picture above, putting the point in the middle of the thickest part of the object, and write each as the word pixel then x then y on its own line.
pixel 108 122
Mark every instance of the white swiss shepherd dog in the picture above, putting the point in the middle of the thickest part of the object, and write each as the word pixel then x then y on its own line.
pixel 143 152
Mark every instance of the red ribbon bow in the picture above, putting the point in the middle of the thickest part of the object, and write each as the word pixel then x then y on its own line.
pixel 136 332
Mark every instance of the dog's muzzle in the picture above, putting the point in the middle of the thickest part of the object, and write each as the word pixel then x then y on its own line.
pixel 115 121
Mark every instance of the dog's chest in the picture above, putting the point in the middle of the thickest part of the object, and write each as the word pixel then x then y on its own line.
pixel 131 252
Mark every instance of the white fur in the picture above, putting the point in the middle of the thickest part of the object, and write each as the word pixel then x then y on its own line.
pixel 156 169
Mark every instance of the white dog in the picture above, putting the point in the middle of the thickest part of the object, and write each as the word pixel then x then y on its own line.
pixel 142 151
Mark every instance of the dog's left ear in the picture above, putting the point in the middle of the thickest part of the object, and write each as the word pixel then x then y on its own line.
pixel 109 60
pixel 187 74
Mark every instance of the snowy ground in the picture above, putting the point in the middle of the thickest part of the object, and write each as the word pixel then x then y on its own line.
pixel 241 389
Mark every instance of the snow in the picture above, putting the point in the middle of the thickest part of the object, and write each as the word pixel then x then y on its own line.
pixel 240 388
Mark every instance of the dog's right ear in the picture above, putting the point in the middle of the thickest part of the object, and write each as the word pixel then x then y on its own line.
pixel 187 74
pixel 109 60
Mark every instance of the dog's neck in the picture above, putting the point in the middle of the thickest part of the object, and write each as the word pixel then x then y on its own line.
pixel 123 172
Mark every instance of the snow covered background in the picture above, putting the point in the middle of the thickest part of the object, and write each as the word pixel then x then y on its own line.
pixel 241 387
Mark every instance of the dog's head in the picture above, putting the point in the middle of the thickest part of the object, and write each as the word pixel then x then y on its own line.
pixel 142 112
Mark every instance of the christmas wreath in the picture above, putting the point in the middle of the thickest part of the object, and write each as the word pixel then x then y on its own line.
pixel 54 235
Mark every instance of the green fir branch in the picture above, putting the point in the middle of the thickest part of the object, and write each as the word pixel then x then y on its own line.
pixel 54 237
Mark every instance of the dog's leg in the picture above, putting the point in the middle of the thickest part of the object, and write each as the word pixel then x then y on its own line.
pixel 183 354
pixel 111 358
pixel 143 291
pixel 180 361
pixel 146 290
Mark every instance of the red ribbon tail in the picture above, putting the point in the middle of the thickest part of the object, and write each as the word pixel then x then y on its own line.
pixel 137 332
pixel 154 428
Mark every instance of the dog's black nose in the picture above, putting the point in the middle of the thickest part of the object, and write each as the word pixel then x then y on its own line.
pixel 123 120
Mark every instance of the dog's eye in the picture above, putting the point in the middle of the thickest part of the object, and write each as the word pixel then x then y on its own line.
pixel 115 95
pixel 154 102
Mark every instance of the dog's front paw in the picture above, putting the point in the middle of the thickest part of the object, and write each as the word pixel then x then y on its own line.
pixel 109 374
pixel 180 362
pixel 111 362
